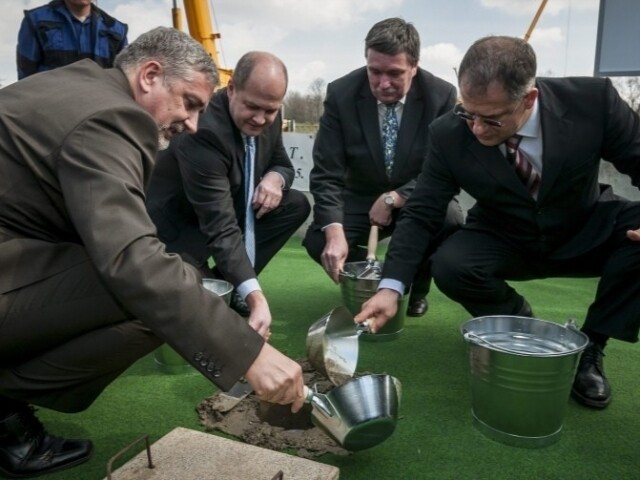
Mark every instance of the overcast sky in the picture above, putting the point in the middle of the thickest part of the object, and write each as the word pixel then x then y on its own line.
pixel 325 38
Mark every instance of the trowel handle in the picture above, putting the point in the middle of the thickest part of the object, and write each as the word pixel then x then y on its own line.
pixel 317 400
pixel 372 244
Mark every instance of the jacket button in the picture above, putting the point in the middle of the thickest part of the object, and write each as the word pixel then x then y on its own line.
pixel 197 356
pixel 217 373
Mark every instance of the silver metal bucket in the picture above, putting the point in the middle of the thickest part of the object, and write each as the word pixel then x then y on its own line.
pixel 355 291
pixel 522 370
pixel 359 414
pixel 166 358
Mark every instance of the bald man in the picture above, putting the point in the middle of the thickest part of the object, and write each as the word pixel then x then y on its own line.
pixel 198 193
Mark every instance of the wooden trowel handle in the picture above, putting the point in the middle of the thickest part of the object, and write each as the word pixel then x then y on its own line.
pixel 372 244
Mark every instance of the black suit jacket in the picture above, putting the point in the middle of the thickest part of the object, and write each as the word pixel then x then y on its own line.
pixel 198 184
pixel 348 166
pixel 583 120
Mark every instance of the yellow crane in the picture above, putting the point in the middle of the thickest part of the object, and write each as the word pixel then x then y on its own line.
pixel 201 28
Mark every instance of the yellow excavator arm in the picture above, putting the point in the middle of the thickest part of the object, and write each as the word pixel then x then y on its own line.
pixel 200 27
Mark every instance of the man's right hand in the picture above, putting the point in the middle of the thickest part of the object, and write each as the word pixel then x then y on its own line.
pixel 335 251
pixel 378 309
pixel 276 378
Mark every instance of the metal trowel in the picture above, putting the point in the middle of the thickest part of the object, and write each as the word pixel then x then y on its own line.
pixel 225 401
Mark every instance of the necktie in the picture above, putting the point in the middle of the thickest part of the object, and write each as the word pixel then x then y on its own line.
pixel 249 219
pixel 525 171
pixel 389 136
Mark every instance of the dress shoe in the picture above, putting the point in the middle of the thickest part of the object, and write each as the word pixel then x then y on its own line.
pixel 417 307
pixel 590 386
pixel 27 450
pixel 239 305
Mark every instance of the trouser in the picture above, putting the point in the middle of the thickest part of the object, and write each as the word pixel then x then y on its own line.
pixel 356 229
pixel 472 268
pixel 272 231
pixel 64 339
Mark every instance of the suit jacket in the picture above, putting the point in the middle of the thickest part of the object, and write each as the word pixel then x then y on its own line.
pixel 76 151
pixel 348 162
pixel 583 120
pixel 199 184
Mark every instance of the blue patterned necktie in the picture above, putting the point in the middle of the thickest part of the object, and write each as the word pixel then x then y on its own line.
pixel 525 171
pixel 249 219
pixel 389 136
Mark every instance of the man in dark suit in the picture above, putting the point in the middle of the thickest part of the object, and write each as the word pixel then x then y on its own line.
pixel 365 168
pixel 540 211
pixel 197 196
pixel 86 287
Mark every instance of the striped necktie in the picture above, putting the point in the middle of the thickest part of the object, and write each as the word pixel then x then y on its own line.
pixel 249 219
pixel 389 136
pixel 523 168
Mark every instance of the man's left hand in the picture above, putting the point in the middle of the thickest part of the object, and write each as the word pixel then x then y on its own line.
pixel 634 235
pixel 268 194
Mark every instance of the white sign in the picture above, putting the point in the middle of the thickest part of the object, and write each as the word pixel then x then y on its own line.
pixel 299 147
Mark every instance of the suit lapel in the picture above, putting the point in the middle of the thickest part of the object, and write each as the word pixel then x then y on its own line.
pixel 409 125
pixel 556 139
pixel 368 117
pixel 497 165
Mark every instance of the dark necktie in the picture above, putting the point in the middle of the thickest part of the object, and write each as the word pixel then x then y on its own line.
pixel 525 171
pixel 389 136
pixel 249 220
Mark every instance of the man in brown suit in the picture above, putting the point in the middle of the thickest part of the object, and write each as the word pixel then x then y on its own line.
pixel 86 287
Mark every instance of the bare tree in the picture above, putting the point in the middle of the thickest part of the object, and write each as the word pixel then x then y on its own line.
pixel 629 89
pixel 316 98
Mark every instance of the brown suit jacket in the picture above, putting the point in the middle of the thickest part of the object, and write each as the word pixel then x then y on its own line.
pixel 76 152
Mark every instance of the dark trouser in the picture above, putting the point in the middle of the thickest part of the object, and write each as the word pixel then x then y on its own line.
pixel 356 228
pixel 64 339
pixel 271 231
pixel 471 267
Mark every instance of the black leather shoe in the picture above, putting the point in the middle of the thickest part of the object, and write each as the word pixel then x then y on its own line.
pixel 239 305
pixel 525 310
pixel 27 450
pixel 417 308
pixel 590 386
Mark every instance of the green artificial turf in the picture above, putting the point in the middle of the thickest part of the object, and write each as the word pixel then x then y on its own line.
pixel 435 437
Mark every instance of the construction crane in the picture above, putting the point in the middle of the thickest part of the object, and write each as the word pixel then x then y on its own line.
pixel 200 23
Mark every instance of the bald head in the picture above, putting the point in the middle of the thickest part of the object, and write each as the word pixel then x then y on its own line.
pixel 256 91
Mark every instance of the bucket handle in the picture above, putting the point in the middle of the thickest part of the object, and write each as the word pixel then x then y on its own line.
pixel 476 339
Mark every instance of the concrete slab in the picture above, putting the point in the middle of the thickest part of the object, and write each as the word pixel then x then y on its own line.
pixel 191 455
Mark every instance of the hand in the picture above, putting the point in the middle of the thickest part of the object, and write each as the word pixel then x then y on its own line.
pixel 260 316
pixel 378 309
pixel 335 251
pixel 268 194
pixel 380 213
pixel 276 378
pixel 634 235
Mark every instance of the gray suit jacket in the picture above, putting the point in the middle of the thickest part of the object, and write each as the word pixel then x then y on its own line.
pixel 583 120
pixel 75 154
pixel 348 166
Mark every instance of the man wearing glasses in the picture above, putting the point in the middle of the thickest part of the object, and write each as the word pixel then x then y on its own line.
pixel 528 150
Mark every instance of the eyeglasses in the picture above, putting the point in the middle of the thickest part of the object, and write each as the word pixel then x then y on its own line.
pixel 462 113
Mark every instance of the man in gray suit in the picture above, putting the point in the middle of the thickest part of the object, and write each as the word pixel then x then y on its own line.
pixel 363 172
pixel 86 287
pixel 540 211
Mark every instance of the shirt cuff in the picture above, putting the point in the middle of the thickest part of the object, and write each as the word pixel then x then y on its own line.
pixel 248 286
pixel 392 284
pixel 330 224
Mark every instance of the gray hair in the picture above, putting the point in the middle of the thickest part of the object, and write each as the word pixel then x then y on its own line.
pixel 509 61
pixel 179 54
pixel 393 36
pixel 248 62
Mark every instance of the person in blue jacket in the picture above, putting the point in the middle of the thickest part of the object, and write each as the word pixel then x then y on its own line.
pixel 65 31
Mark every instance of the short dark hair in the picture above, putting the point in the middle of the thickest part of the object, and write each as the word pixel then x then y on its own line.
pixel 509 61
pixel 393 36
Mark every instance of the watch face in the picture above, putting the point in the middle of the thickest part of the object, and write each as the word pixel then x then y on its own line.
pixel 388 200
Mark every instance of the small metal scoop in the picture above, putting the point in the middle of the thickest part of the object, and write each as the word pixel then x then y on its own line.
pixel 372 271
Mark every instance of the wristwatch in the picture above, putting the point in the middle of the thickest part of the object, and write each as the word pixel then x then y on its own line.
pixel 389 201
